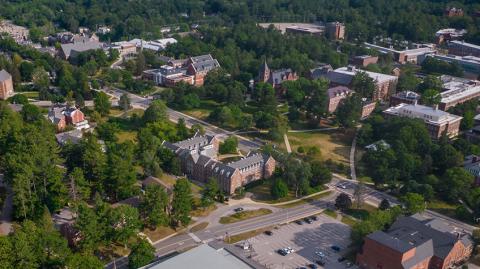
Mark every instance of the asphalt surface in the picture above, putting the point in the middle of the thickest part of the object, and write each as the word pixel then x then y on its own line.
pixel 143 103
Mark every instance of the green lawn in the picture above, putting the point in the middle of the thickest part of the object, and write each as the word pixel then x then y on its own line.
pixel 261 193
pixel 159 233
pixel 203 111
pixel 334 145
pixel 361 213
pixel 330 213
pixel 244 215
pixel 348 220
pixel 306 200
pixel 127 136
pixel 242 236
pixel 442 208
pixel 31 95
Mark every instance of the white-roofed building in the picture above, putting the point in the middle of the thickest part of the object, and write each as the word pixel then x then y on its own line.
pixel 457 91
pixel 438 122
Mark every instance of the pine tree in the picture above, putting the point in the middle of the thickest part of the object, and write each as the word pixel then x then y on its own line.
pixel 182 202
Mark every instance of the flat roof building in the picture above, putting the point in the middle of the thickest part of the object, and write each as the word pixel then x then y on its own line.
pixel 406 55
pixel 201 257
pixel 461 48
pixel 406 97
pixel 470 64
pixel 438 122
pixel 457 91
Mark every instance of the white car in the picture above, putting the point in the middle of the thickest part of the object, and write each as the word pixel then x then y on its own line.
pixel 320 254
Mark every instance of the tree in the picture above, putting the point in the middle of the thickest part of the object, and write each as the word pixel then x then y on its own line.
pixel 182 130
pixel 210 192
pixel 455 182
pixel 431 97
pixel 123 223
pixel 88 225
pixel 414 202
pixel 279 189
pixel 320 174
pixel 157 111
pixel 121 174
pixel 343 202
pixel 79 187
pixel 140 64
pixel 102 103
pixel 297 175
pixel 384 204
pixel 182 202
pixel 82 261
pixel 358 194
pixel 142 254
pixel 31 113
pixel 153 206
pixel 229 146
pixel 430 83
pixel 124 102
pixel 349 111
pixel 363 85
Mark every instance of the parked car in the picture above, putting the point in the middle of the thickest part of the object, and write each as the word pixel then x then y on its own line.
pixel 314 218
pixel 335 248
pixel 238 209
pixel 320 254
pixel 341 259
pixel 282 252
pixel 320 262
pixel 312 266
pixel 299 222
pixel 268 233
pixel 307 220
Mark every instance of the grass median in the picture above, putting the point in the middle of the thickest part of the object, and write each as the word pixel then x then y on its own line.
pixel 244 215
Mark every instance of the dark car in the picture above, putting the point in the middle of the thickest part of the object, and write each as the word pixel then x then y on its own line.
pixel 320 262
pixel 268 233
pixel 341 259
pixel 239 209
pixel 307 220
pixel 302 267
pixel 335 248
pixel 299 222
pixel 282 252
pixel 312 266
pixel 314 218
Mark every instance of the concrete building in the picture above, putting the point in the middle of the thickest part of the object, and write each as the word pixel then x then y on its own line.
pixel 314 30
pixel 405 97
pixel 320 71
pixel 332 30
pixel 415 244
pixel 461 48
pixel 364 60
pixel 408 55
pixel 438 122
pixel 449 34
pixel 385 85
pixel 19 33
pixel 154 45
pixel 457 91
pixel 6 85
pixel 198 158
pixel 470 64
pixel 336 95
pixel 275 77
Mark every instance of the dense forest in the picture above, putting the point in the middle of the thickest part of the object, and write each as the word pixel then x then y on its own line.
pixel 403 19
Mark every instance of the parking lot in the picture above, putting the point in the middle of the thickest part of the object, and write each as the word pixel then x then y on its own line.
pixel 306 240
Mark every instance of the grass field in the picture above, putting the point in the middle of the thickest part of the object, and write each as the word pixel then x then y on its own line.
pixel 127 136
pixel 199 227
pixel 30 95
pixel 348 220
pixel 239 237
pixel 306 200
pixel 442 208
pixel 330 213
pixel 334 145
pixel 261 193
pixel 361 213
pixel 159 233
pixel 247 214
pixel 202 112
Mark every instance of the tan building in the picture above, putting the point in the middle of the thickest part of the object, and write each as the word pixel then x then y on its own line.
pixel 438 122
pixel 336 30
pixel 364 60
pixel 6 85
pixel 457 91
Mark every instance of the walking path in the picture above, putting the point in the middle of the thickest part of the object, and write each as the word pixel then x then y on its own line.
pixel 353 173
pixel 287 143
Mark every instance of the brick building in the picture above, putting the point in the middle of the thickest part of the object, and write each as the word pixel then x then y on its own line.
pixel 198 159
pixel 335 30
pixel 461 48
pixel 385 85
pixel 364 60
pixel 6 85
pixel 457 91
pixel 405 97
pixel 336 95
pixel 417 243
pixel 275 77
pixel 191 71
pixel 63 116
pixel 438 122
pixel 453 12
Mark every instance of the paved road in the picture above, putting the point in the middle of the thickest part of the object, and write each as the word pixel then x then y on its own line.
pixel 218 231
pixel 374 197
pixel 142 103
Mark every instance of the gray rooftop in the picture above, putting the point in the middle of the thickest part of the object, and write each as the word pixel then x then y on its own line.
pixel 202 58
pixel 4 75
pixel 251 159
pixel 202 257
pixel 339 90
pixel 207 65
pixel 195 142
pixel 77 47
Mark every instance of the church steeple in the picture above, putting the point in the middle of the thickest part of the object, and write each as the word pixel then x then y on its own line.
pixel 264 72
